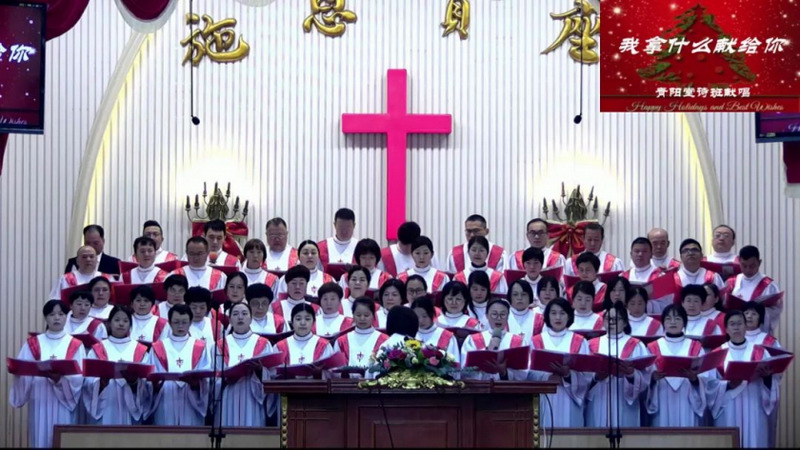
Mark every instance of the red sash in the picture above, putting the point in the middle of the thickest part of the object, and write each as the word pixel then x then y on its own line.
pixel 319 349
pixel 216 275
pixel 388 261
pixel 293 259
pixel 444 340
pixel 139 352
pixel 438 281
pixel 230 260
pixel 74 346
pixel 458 257
pixel 769 340
pixel 627 349
pixel 161 323
pixel 516 341
pixel 652 329
pixel 323 253
pixel 758 354
pixel 279 323
pixel 477 339
pixel 761 287
pixel 381 339
pixel 551 261
pixel 518 259
pixel 575 343
pixel 197 352
pixel 93 326
pixel 100 351
pixel 161 354
pixel 270 280
pixel 33 345
pixel 730 283
pixel 608 263
pixel 344 346
pixel 495 279
pixel 403 277
pixel 284 347
pixel 538 342
pixel 538 324
pixel 709 328
pixel 694 348
pixel 495 257
pixel 383 278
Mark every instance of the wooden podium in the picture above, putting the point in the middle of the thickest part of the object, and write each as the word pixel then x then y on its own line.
pixel 337 413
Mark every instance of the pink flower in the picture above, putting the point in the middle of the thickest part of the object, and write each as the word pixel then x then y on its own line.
pixel 397 355
pixel 387 364
pixel 433 360
pixel 429 352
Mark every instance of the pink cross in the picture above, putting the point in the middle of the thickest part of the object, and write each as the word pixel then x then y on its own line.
pixel 396 124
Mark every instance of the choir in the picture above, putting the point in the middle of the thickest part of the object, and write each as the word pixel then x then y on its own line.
pixel 193 320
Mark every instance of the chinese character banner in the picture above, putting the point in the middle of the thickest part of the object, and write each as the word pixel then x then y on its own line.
pixel 20 67
pixel 700 56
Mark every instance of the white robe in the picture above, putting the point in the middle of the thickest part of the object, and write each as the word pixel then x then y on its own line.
pixel 327 325
pixel 204 330
pixel 340 252
pixel 144 276
pixel 287 306
pixel 569 400
pixel 74 326
pixel 301 349
pixel 480 314
pixel 744 288
pixel 279 261
pixel 432 335
pixel 586 321
pixel 697 324
pixel 361 344
pixel 623 389
pixel 202 277
pixel 265 325
pixel 176 403
pixel 617 266
pixel 451 262
pixel 143 327
pixel 640 325
pixel 663 262
pixel 511 261
pixel 522 324
pixel 675 401
pixel 502 285
pixel 316 281
pixel 642 276
pixel 49 403
pixel 505 343
pixel 722 258
pixel 449 320
pixel 101 312
pixel 698 277
pixel 161 256
pixel 429 274
pixel 404 262
pixel 80 278
pixel 222 255
pixel 256 276
pixel 749 405
pixel 758 336
pixel 243 403
pixel 118 403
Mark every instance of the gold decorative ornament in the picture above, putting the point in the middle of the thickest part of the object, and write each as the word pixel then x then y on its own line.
pixel 215 41
pixel 456 18
pixel 410 380
pixel 578 28
pixel 576 210
pixel 536 421
pixel 329 17
pixel 284 421
pixel 217 207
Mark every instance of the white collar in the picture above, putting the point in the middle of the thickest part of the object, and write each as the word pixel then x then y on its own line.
pixel 726 255
pixel 520 313
pixel 694 274
pixel 143 317
pixel 330 316
pixel 423 270
pixel 198 269
pixel 556 333
pixel 183 338
pixel 74 320
pixel 454 316
pixel 55 335
pixel 341 242
pixel 428 330
pixel 303 338
pixel 680 338
pixel 116 340
pixel 755 332
pixel 637 319
pixel 707 313
pixel 583 314
pixel 753 278
pixel 695 318
pixel 741 346
pixel 146 270
pixel 250 271
pixel 242 336
pixel 364 331
pixel 481 305
pixel 644 269
pixel 474 268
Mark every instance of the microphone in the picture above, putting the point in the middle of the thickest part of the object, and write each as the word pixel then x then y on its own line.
pixel 577 119
pixel 497 333
pixel 195 120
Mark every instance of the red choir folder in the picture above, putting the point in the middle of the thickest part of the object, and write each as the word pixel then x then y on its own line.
pixel 725 270
pixel 314 369
pixel 189 375
pixel 333 337
pixel 775 351
pixel 590 334
pixel 515 358
pixel 121 293
pixel 462 333
pixel 248 366
pixel 570 281
pixel 672 365
pixel 277 337
pixel 127 266
pixel 638 363
pixel 65 293
pixel 607 277
pixel 734 302
pixel 513 275
pixel 647 339
pixel 337 270
pixel 555 272
pixel 277 273
pixel 219 297
pixel 227 270
pixel 24 368
pixel 541 360
pixel 710 341
pixel 660 287
pixel 170 266
pixel 86 339
pixel 111 370
pixel 748 370
pixel 373 294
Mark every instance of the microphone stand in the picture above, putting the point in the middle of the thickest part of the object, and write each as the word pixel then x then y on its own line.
pixel 216 434
pixel 614 435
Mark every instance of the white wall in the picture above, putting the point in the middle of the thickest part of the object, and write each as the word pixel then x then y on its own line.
pixel 271 126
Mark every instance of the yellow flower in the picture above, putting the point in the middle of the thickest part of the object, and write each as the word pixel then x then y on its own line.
pixel 414 344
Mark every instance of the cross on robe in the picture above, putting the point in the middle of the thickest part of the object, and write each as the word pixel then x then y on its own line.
pixel 179 361
pixel 396 124
pixel 241 357
pixel 302 358
pixel 141 337
pixel 359 356
pixel 53 357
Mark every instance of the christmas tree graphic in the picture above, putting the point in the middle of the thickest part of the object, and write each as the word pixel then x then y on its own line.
pixel 713 70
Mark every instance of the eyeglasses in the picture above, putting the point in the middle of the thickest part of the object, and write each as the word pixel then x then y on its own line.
pixel 722 235
pixel 498 316
pixel 416 291
pixel 537 233
pixel 276 236
pixel 687 251
pixel 196 255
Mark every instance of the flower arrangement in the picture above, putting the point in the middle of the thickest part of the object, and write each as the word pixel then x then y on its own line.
pixel 411 355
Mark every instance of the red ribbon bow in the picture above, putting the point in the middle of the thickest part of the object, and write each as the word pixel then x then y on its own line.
pixel 231 229
pixel 568 238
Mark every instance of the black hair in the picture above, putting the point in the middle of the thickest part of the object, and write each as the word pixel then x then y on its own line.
pixel 526 288
pixel 73 297
pixel 425 302
pixel 345 214
pixel 51 305
pixel 480 278
pixel 330 287
pixel 689 241
pixel 144 291
pixel 230 307
pixel 364 301
pixel 259 290
pixel 152 223
pixel 480 240
pixel 89 228
pixel 596 227
pixel 583 287
pixel 307 242
pixel 422 241
pixel 758 308
pixel 255 244
pixel 642 241
pixel 730 314
pixel 533 221
pixel 214 225
pixel 419 278
pixel 718 305
pixel 626 285
pixel 234 276
pixel 678 310
pixel 476 218
pixel 495 301
pixel 143 241
pixel 302 307
pixel 121 308
pixel 197 240
pixel 590 258
pixel 354 269
pixel 367 246
pixel 197 294
pixel 453 288
pixel 407 232
pixel 635 290
pixel 298 271
pixel 397 284
pixel 547 280
pixel 183 310
pixel 176 280
pixel 694 289
pixel 533 253
pixel 564 304
pixel 749 251
pixel 622 313
pixel 402 321
pixel 99 279
pixel 275 222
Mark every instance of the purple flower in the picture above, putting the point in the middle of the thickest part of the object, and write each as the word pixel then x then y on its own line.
pixel 397 355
